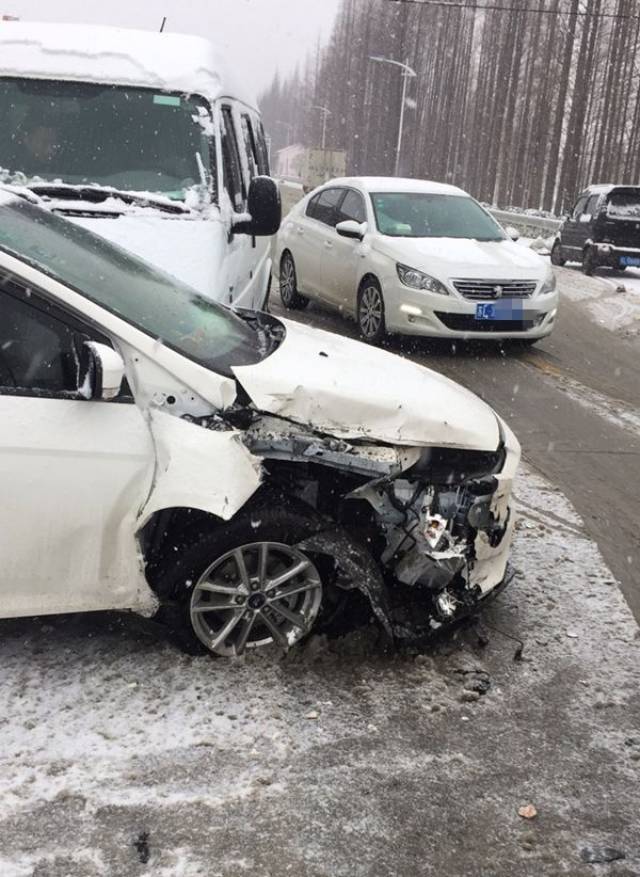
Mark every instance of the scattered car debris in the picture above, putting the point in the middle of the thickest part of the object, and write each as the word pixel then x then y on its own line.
pixel 141 844
pixel 601 855
pixel 528 812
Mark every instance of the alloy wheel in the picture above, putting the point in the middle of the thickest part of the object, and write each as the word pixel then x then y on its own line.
pixel 287 281
pixel 254 595
pixel 371 312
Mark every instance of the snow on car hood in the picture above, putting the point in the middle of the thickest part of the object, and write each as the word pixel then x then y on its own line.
pixel 462 257
pixel 180 246
pixel 353 391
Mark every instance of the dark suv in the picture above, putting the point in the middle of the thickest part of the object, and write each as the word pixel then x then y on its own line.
pixel 603 229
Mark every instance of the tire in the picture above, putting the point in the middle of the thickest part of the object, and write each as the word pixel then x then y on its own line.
pixel 589 263
pixel 556 255
pixel 291 298
pixel 234 568
pixel 370 315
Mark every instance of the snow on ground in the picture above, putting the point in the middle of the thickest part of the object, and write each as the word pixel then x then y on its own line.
pixel 120 756
pixel 611 299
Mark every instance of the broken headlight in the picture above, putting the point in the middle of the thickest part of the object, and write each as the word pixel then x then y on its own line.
pixel 453 466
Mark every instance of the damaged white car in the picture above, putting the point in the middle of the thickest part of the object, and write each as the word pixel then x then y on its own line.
pixel 249 477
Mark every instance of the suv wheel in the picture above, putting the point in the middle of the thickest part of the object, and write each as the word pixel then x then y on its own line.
pixel 244 585
pixel 371 312
pixel 589 263
pixel 291 298
pixel 556 254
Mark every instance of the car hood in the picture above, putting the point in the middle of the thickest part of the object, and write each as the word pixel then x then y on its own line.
pixel 187 248
pixel 462 257
pixel 353 391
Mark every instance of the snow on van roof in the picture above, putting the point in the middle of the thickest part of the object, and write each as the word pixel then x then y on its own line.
pixel 118 56
pixel 400 184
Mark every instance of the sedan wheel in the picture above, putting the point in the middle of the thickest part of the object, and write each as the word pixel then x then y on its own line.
pixel 255 595
pixel 371 313
pixel 589 263
pixel 556 254
pixel 289 294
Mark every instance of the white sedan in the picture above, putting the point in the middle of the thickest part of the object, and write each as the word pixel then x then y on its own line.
pixel 234 470
pixel 412 257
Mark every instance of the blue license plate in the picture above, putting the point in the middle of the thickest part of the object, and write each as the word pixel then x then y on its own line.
pixel 504 309
pixel 631 261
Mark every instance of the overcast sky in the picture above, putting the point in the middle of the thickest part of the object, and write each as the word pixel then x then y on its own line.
pixel 262 34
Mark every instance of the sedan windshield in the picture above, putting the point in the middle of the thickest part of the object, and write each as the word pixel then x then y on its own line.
pixel 422 215
pixel 77 132
pixel 158 304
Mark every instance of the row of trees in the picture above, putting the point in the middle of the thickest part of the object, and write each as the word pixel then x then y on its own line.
pixel 521 107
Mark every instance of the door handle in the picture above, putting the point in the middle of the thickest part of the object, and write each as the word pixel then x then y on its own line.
pixel 328 245
pixel 300 230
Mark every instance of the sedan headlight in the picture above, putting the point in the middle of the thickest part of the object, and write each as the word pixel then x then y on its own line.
pixel 549 284
pixel 417 280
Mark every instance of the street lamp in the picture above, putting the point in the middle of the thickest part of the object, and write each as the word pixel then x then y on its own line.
pixel 325 113
pixel 407 73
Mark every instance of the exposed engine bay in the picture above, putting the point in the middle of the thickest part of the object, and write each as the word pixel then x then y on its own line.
pixel 411 528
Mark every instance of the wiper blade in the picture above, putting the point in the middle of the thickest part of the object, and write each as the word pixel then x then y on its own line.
pixel 95 194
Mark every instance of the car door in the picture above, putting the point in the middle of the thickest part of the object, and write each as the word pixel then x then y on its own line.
pixel 238 260
pixel 340 268
pixel 73 472
pixel 311 230
pixel 573 230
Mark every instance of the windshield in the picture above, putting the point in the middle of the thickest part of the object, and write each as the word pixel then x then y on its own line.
pixel 128 138
pixel 625 205
pixel 161 306
pixel 420 215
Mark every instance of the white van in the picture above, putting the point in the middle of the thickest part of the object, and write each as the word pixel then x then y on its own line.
pixel 146 139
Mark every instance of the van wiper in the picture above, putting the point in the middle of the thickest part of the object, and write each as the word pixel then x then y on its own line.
pixel 95 194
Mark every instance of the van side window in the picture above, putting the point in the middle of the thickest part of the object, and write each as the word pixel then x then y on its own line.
pixel 231 167
pixel 250 146
pixel 263 151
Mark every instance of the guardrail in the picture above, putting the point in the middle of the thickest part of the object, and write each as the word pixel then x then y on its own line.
pixel 525 223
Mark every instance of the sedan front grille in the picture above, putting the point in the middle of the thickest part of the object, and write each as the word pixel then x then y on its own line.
pixel 488 290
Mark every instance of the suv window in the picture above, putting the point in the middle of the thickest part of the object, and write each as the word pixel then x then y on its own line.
pixel 592 205
pixel 325 209
pixel 578 210
pixel 231 167
pixel 38 351
pixel 353 207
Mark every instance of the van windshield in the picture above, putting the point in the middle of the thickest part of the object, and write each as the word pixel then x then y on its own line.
pixel 82 133
pixel 158 304
pixel 433 215
pixel 624 205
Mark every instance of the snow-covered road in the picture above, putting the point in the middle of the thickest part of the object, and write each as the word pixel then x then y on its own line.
pixel 121 756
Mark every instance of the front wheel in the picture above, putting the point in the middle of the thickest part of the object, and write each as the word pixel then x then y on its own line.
pixel 244 585
pixel 556 255
pixel 291 298
pixel 589 263
pixel 371 312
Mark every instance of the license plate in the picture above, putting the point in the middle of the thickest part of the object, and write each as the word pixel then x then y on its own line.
pixel 504 309
pixel 630 261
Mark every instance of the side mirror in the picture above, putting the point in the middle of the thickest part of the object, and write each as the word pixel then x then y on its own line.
pixel 512 233
pixel 264 208
pixel 101 372
pixel 351 229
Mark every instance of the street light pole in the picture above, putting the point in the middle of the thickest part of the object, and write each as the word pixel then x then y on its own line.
pixel 407 73
pixel 325 112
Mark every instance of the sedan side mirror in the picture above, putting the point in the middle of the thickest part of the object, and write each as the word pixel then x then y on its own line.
pixel 352 229
pixel 101 372
pixel 265 209
pixel 512 233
